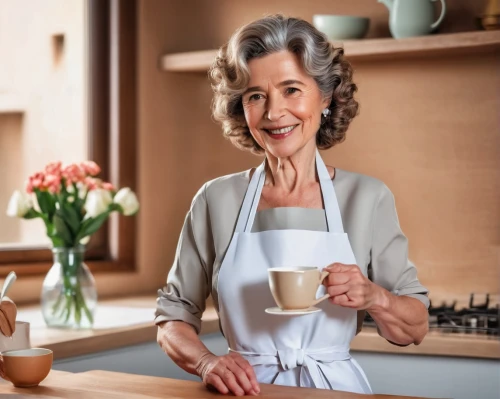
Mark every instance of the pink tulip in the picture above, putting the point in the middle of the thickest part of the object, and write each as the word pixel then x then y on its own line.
pixel 54 174
pixel 54 189
pixel 53 168
pixel 29 187
pixel 52 183
pixel 107 186
pixel 90 168
pixel 73 174
pixel 91 183
pixel 35 182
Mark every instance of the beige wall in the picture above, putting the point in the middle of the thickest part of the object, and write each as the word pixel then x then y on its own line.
pixel 427 128
pixel 10 153
pixel 53 125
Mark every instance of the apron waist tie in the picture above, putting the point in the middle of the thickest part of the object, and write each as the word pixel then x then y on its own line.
pixel 308 360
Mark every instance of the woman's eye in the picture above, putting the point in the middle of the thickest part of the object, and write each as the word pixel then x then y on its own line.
pixel 255 97
pixel 291 90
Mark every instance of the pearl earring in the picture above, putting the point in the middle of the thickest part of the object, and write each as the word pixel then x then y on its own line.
pixel 326 112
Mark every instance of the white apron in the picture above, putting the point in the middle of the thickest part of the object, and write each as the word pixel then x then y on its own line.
pixel 307 351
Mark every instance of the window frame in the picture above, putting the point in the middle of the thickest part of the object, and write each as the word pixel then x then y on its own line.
pixel 112 109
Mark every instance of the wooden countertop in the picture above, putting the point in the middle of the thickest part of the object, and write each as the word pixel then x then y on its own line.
pixel 68 343
pixel 98 384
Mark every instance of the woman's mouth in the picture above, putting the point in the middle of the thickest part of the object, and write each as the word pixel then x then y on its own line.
pixel 280 133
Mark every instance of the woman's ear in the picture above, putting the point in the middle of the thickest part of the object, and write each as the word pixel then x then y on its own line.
pixel 327 101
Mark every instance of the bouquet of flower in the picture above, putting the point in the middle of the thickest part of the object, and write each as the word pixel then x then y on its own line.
pixel 73 204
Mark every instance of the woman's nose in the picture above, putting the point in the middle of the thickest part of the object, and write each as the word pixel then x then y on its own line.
pixel 275 109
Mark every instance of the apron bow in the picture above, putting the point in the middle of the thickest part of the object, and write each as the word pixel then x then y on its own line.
pixel 309 362
pixel 290 358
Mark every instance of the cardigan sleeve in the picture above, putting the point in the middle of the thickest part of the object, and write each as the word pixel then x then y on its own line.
pixel 389 263
pixel 188 282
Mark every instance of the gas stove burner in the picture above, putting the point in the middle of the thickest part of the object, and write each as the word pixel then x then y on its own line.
pixel 478 318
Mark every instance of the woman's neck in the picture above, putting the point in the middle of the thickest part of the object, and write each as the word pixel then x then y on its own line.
pixel 292 173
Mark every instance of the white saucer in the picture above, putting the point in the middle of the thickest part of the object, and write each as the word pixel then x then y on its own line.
pixel 281 312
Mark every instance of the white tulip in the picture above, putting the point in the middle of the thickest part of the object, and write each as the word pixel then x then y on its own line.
pixel 127 200
pixel 19 204
pixel 82 190
pixel 85 240
pixel 97 202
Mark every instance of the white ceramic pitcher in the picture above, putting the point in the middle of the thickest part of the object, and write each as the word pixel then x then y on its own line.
pixel 409 18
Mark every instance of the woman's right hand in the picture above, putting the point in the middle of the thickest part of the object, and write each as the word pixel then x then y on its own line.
pixel 228 373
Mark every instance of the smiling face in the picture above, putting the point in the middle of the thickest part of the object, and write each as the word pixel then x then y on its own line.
pixel 282 104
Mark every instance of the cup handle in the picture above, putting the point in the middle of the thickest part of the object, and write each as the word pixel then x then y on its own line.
pixel 2 370
pixel 322 277
pixel 440 19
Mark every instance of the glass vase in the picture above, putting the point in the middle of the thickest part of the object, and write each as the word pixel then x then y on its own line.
pixel 69 294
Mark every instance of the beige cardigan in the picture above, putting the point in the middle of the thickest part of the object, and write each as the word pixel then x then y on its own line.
pixel 368 213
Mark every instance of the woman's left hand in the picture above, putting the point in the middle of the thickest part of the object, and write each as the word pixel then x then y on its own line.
pixel 348 287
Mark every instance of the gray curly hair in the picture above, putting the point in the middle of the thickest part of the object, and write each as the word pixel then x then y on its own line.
pixel 229 75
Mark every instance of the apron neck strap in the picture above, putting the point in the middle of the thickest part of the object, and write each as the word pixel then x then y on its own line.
pixel 332 210
pixel 254 191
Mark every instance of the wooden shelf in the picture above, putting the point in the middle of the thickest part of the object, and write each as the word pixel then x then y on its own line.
pixel 368 49
pixel 11 105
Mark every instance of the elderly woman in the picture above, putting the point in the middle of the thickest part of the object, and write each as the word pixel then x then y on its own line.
pixel 283 91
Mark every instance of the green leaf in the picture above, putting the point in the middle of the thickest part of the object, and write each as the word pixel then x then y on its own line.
pixel 78 310
pixel 78 205
pixel 78 202
pixel 70 216
pixel 115 207
pixel 57 242
pixel 32 214
pixel 91 225
pixel 51 232
pixel 62 230
pixel 46 202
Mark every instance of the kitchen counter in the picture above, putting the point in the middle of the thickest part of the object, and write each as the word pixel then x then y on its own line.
pixel 69 343
pixel 98 384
